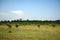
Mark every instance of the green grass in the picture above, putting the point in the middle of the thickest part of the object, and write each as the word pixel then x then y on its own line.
pixel 45 32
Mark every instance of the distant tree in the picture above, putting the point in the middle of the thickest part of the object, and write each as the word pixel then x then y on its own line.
pixel 27 19
pixel 20 19
pixel 17 20
pixel 58 21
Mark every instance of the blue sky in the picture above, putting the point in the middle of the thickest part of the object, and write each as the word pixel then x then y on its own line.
pixel 30 9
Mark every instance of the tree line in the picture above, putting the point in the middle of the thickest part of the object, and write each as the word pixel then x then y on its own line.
pixel 25 22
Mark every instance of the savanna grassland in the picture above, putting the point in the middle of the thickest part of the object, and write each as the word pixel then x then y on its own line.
pixel 29 30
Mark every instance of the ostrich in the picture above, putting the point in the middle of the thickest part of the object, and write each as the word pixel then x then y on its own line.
pixel 9 25
pixel 53 25
pixel 16 25
pixel 38 26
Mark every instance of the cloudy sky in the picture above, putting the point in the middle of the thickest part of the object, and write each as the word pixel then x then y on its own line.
pixel 30 9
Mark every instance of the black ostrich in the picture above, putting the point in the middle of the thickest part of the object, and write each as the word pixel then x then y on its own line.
pixel 53 25
pixel 9 26
pixel 16 25
pixel 38 26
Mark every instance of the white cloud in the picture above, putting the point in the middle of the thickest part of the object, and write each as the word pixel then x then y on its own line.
pixel 18 12
pixel 1 14
pixel 12 15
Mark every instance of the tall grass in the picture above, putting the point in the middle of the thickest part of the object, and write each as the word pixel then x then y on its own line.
pixel 46 32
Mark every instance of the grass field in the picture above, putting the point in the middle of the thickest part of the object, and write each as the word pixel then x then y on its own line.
pixel 30 32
